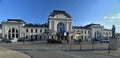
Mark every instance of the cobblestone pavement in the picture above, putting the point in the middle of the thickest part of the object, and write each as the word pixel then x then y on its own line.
pixel 99 48
pixel 42 50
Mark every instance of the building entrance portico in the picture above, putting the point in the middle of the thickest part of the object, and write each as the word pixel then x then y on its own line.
pixel 60 22
pixel 60 30
pixel 13 29
pixel 13 33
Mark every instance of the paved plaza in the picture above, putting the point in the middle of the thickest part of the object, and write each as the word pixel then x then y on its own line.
pixel 7 53
pixel 40 49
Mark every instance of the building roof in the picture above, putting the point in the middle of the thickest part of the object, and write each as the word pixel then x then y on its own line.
pixel 91 24
pixel 79 27
pixel 17 20
pixel 36 25
pixel 14 20
pixel 55 12
pixel 118 34
pixel 107 29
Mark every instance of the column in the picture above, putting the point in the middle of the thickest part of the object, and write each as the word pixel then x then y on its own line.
pixel 11 33
pixel 18 32
pixel 15 33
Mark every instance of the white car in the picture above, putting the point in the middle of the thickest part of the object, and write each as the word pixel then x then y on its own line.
pixel 12 40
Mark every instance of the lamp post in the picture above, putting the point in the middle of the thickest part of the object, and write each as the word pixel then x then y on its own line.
pixel 93 41
pixel 108 45
pixel 80 41
pixel 23 36
pixel 109 48
pixel 32 37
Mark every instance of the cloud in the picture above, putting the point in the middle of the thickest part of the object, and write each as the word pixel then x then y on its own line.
pixel 112 18
pixel 108 21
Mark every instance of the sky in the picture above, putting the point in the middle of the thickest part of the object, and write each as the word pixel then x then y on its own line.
pixel 83 12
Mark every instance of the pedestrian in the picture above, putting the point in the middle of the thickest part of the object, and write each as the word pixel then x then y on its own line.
pixel 67 41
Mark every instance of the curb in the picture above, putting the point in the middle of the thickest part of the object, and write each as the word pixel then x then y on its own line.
pixel 8 53
pixel 27 56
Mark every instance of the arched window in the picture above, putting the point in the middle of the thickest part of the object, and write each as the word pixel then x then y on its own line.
pixel 60 27
pixel 13 30
pixel 9 31
pixel 13 33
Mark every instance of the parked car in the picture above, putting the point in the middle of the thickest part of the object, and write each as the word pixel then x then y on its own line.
pixel 8 40
pixel 14 40
pixel 11 40
pixel 54 41
pixel 97 39
pixel 3 40
pixel 105 40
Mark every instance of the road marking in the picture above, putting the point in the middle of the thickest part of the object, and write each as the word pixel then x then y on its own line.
pixel 67 54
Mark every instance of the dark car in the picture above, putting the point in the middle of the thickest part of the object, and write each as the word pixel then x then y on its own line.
pixel 54 41
pixel 3 40
pixel 105 40
pixel 8 40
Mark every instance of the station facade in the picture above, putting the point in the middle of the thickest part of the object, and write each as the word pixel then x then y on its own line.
pixel 59 26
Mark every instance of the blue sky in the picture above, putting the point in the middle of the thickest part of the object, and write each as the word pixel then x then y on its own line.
pixel 83 12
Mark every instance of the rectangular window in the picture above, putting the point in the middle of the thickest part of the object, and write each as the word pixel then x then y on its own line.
pixel 109 33
pixel 26 30
pixel 106 33
pixel 31 30
pixel 40 30
pixel 40 37
pixel 81 37
pixel 81 31
pixel 16 35
pixel 35 30
pixel 85 31
pixel 45 30
pixel 13 35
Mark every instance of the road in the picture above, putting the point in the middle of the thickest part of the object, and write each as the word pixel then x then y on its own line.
pixel 36 50
pixel 41 50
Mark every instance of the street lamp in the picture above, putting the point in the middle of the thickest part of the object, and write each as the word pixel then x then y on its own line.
pixel 93 41
pixel 108 44
pixel 80 41
pixel 23 36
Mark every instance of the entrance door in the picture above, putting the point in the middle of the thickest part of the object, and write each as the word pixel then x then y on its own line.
pixel 60 30
pixel 60 27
